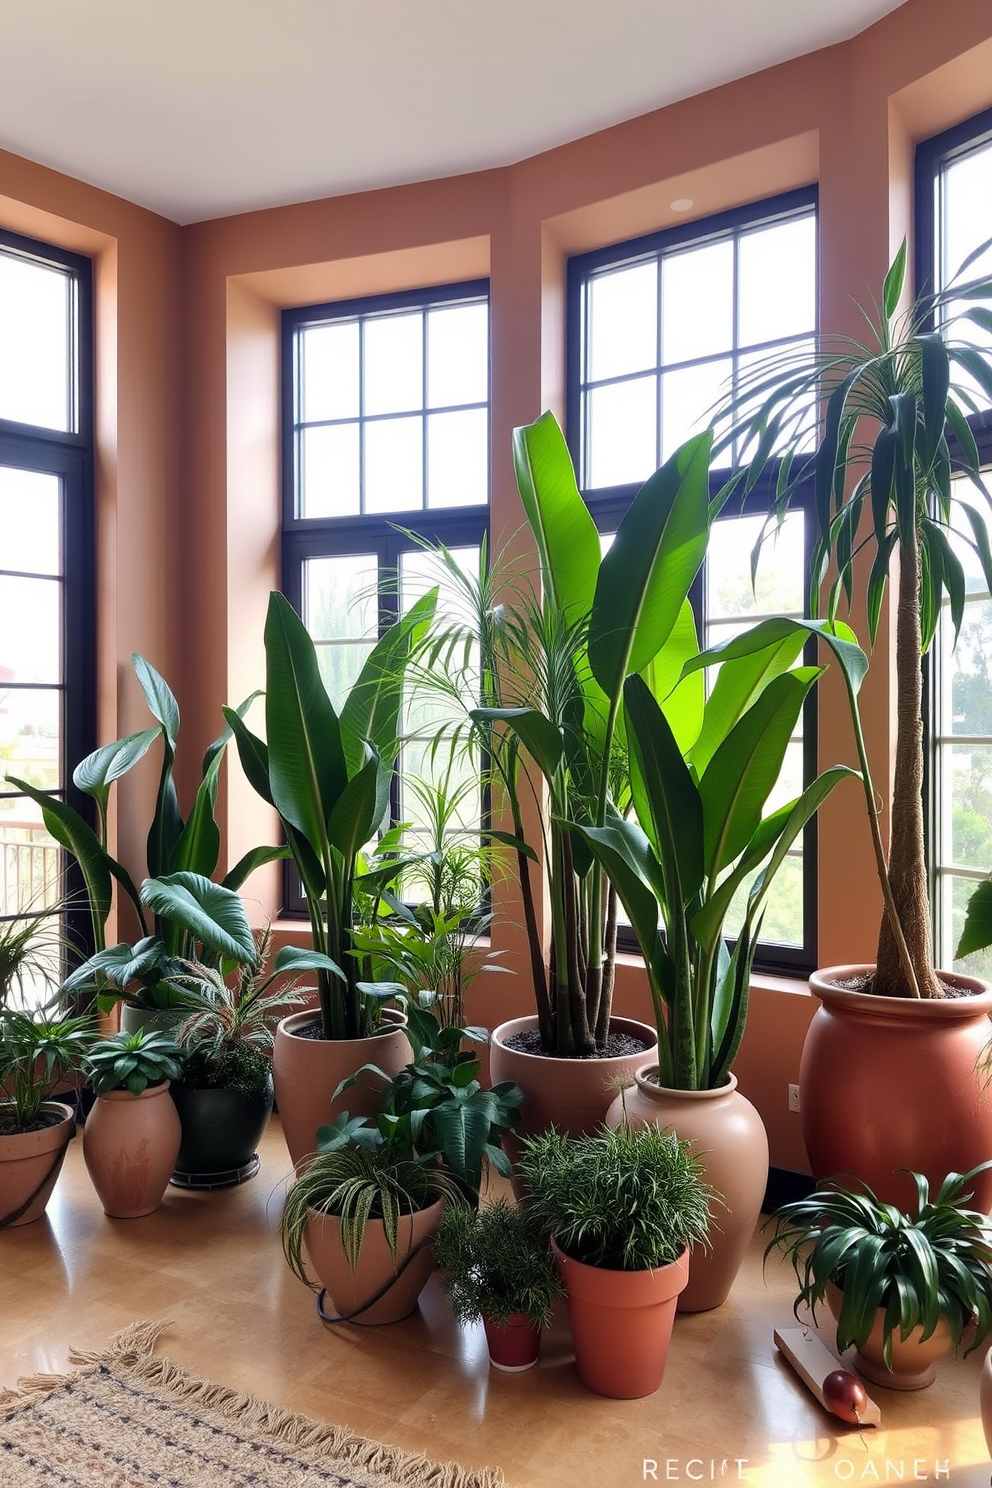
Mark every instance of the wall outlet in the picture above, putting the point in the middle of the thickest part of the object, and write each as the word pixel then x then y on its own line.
pixel 793 1097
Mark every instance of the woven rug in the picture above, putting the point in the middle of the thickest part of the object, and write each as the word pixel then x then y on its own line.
pixel 129 1418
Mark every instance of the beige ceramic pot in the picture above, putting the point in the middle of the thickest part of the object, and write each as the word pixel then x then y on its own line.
pixel 573 1095
pixel 914 1361
pixel 130 1145
pixel 348 1291
pixel 985 1396
pixel 729 1137
pixel 30 1162
pixel 307 1071
pixel 888 1083
pixel 621 1323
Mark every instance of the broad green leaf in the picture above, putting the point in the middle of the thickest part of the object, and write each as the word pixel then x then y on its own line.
pixel 159 697
pixel 207 911
pixel 256 857
pixel 977 932
pixel 629 862
pixel 96 773
pixel 666 800
pixel 118 965
pixel 893 282
pixel 300 958
pixel 740 681
pixel 370 712
pixel 537 734
pixel 356 812
pixel 936 371
pixel 567 540
pixel 253 753
pixel 835 634
pixel 682 699
pixel 70 831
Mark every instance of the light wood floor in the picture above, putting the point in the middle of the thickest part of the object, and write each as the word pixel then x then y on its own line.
pixel 211 1263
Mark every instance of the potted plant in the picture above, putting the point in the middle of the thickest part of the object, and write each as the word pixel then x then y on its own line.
pixel 894 432
pixel 623 1207
pixel 902 1286
pixel 327 773
pixel 132 1132
pixel 497 1269
pixel 37 1052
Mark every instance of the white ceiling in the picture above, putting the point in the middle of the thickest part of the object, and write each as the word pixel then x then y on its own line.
pixel 200 108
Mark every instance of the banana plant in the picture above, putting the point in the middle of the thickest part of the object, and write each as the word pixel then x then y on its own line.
pixel 699 833
pixel 328 774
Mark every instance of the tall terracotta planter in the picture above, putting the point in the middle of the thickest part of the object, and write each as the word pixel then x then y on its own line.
pixel 405 1279
pixel 307 1071
pixel 888 1083
pixel 130 1144
pixel 621 1323
pixel 729 1137
pixel 30 1163
pixel 573 1095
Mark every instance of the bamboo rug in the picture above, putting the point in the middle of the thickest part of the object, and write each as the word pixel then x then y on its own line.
pixel 129 1418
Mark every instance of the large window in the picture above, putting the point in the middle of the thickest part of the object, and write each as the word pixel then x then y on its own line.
pixel 46 564
pixel 659 330
pixel 954 218
pixel 386 439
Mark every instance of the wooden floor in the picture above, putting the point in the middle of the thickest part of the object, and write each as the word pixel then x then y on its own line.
pixel 212 1265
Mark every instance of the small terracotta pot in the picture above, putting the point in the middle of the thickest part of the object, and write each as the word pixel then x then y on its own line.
pixel 914 1360
pixel 130 1144
pixel 30 1163
pixel 865 1061
pixel 729 1137
pixel 513 1345
pixel 350 1290
pixel 621 1323
pixel 308 1071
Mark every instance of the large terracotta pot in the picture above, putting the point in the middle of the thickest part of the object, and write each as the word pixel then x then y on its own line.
pixel 914 1360
pixel 514 1345
pixel 221 1130
pixel 621 1323
pixel 573 1095
pixel 308 1071
pixel 130 1143
pixel 350 1290
pixel 30 1162
pixel 888 1083
pixel 729 1137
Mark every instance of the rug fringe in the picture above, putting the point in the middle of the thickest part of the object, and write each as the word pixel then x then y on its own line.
pixel 132 1349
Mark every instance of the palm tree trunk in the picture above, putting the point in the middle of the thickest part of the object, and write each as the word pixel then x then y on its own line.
pixel 907 855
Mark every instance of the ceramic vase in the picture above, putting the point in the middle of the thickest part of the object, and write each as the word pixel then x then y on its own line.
pixel 130 1144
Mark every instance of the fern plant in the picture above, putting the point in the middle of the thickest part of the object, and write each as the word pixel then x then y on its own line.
pixel 496 1261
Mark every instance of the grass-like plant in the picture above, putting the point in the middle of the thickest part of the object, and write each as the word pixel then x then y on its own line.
pixel 916 1268
pixel 133 1061
pixel 496 1261
pixel 36 1054
pixel 624 1200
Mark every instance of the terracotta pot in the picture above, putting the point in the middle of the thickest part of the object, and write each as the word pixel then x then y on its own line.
pixel 221 1130
pixel 621 1323
pixel 573 1095
pixel 130 1143
pixel 888 1083
pixel 729 1137
pixel 30 1162
pixel 307 1071
pixel 513 1345
pixel 985 1398
pixel 914 1362
pixel 349 1290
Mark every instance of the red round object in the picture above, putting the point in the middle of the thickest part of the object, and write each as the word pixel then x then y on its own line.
pixel 844 1395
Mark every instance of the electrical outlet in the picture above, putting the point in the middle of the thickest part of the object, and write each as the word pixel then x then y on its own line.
pixel 793 1097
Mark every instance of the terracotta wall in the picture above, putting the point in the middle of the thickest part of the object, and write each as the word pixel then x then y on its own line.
pixel 188 335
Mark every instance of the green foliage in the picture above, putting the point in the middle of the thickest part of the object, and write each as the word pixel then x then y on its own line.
pixel 625 1200
pixel 919 1268
pixel 496 1261
pixel 133 1061
pixel 36 1054
pixel 328 775
pixel 30 944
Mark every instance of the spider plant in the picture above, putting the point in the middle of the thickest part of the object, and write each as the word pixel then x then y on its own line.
pixel 36 1053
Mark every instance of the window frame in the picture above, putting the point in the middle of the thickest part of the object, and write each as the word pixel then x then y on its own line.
pixel 68 455
pixel 303 538
pixel 608 504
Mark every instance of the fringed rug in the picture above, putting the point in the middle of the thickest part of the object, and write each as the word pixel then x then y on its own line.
pixel 128 1418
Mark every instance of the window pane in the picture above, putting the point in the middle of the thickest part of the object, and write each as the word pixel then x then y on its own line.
pixel 394 363
pixel 623 321
pixel 687 400
pixel 30 735
pixel 329 372
pixel 955 893
pixel 458 458
pixel 777 286
pixel 799 433
pixel 394 465
pixel 30 630
pixel 969 778
pixel 966 694
pixel 622 432
pixel 340 610
pixel 458 355
pixel 330 481
pixel 967 218
pixel 35 363
pixel 29 859
pixel 697 306
pixel 780 575
pixel 29 521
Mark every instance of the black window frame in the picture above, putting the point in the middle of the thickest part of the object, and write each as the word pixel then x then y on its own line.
pixel 315 537
pixel 931 156
pixel 68 455
pixel 608 504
